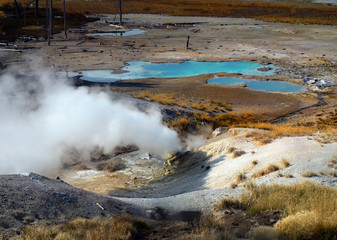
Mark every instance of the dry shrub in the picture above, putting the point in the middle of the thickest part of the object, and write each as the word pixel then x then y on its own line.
pixel 263 233
pixel 282 130
pixel 285 163
pixel 229 203
pixel 113 165
pixel 183 124
pixel 122 227
pixel 254 163
pixel 162 98
pixel 183 105
pixel 230 150
pixel 143 95
pixel 240 178
pixel 212 229
pixel 308 225
pixel 332 162
pixel 309 210
pixel 292 199
pixel 309 173
pixel 238 153
pixel 271 168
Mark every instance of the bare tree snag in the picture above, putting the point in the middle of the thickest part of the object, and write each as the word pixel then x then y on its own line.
pixel 120 12
pixel 47 20
pixel 65 19
pixel 188 42
pixel 17 11
pixel 50 21
pixel 51 16
pixel 36 8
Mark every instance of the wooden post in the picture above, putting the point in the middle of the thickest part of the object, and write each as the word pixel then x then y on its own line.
pixel 65 19
pixel 188 42
pixel 17 12
pixel 120 12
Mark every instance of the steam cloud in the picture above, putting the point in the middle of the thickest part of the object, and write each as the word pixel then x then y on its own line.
pixel 42 117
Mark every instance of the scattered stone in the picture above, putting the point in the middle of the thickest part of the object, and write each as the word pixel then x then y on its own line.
pixel 154 213
pixel 219 131
pixel 264 69
pixel 146 156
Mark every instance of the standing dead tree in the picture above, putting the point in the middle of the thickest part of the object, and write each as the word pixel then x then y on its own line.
pixel 65 19
pixel 49 21
pixel 17 11
pixel 36 8
pixel 120 12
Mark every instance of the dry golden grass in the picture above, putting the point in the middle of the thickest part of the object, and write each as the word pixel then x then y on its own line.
pixel 265 10
pixel 229 203
pixel 241 177
pixel 182 124
pixel 162 98
pixel 308 225
pixel 288 175
pixel 309 173
pixel 122 227
pixel 285 163
pixel 113 165
pixel 310 210
pixel 264 233
pixel 238 153
pixel 254 163
pixel 282 130
pixel 332 162
pixel 230 150
pixel 271 168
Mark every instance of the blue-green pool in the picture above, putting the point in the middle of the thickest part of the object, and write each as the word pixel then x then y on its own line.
pixel 269 86
pixel 141 69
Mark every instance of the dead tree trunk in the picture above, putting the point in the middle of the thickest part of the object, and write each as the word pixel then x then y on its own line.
pixel 17 11
pixel 24 13
pixel 50 32
pixel 120 12
pixel 188 42
pixel 47 21
pixel 65 19
pixel 36 8
pixel 51 16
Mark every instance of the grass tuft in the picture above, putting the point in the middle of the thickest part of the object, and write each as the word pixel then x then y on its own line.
pixel 122 227
pixel 309 173
pixel 271 168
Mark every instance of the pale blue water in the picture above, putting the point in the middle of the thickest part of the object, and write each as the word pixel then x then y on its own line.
pixel 141 70
pixel 132 32
pixel 244 26
pixel 269 86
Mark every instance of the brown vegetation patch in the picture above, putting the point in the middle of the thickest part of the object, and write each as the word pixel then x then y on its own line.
pixel 271 168
pixel 309 210
pixel 264 10
pixel 122 227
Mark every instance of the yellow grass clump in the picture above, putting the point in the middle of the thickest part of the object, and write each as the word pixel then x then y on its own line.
pixel 271 168
pixel 310 210
pixel 122 227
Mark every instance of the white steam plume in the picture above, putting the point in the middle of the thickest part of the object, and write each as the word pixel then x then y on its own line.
pixel 42 116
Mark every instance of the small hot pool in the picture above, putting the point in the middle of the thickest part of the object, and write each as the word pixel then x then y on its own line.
pixel 132 32
pixel 268 86
pixel 141 70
